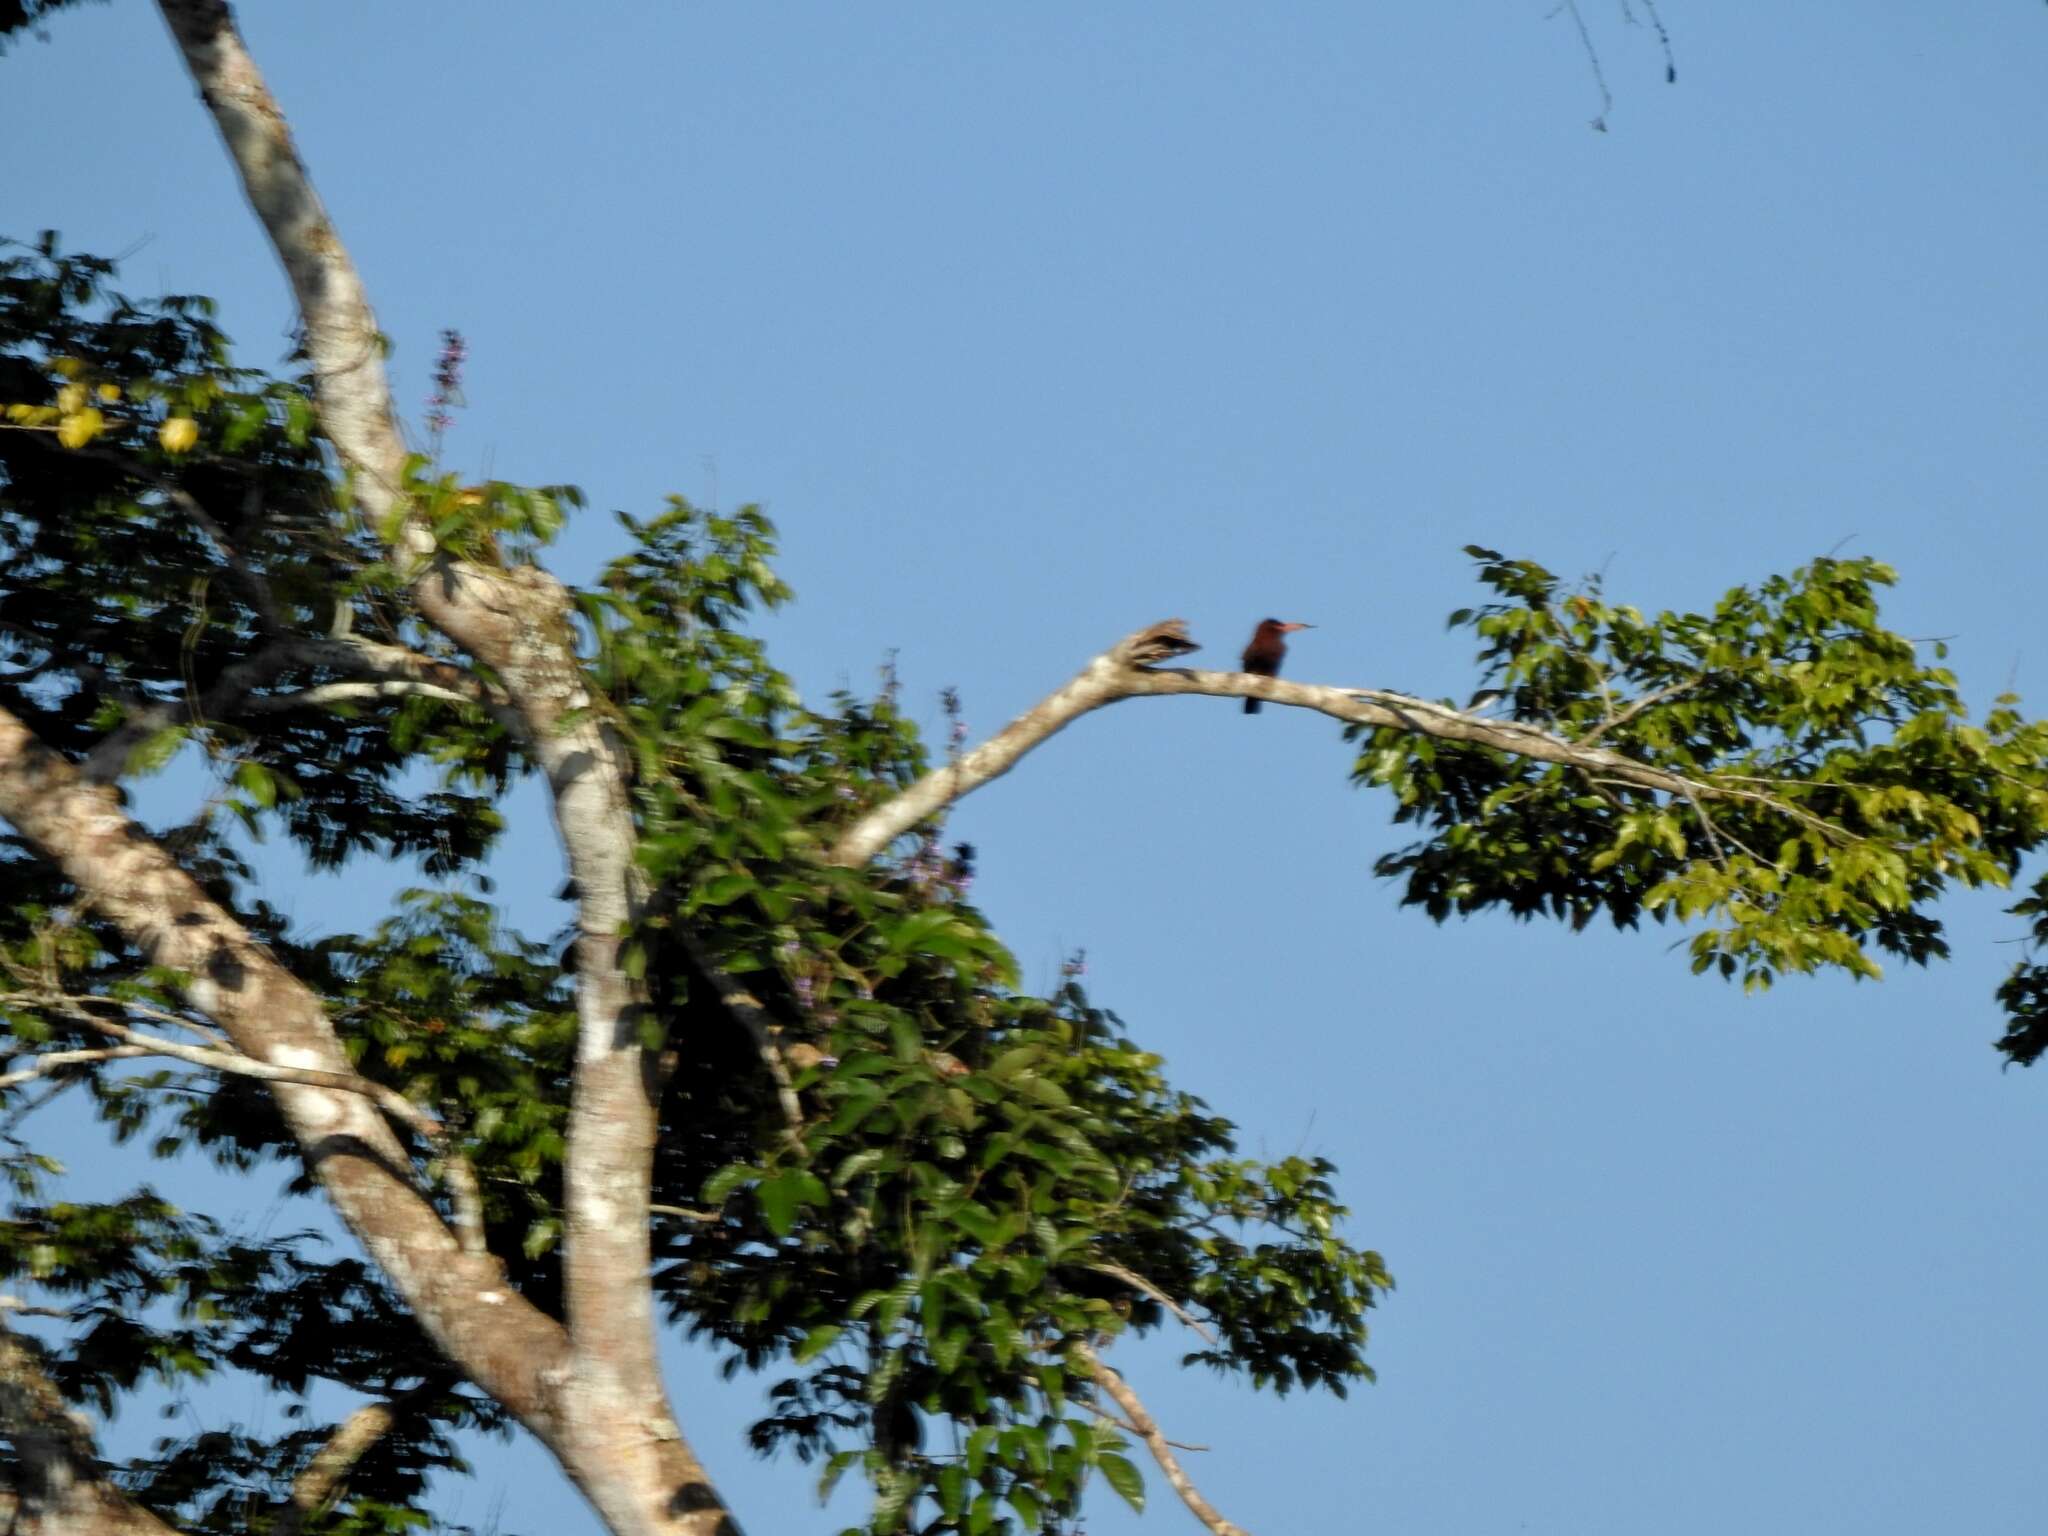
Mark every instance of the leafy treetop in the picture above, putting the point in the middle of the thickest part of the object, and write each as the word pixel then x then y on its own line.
pixel 923 1198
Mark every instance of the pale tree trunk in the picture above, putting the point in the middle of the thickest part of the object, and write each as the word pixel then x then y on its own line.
pixel 592 1392
pixel 613 1428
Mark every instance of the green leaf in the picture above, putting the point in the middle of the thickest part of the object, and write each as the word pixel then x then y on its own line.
pixel 816 1342
pixel 1129 1483
pixel 258 782
pixel 1023 1500
pixel 722 1183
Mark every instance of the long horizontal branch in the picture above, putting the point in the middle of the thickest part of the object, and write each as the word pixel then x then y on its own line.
pixel 1124 672
pixel 350 693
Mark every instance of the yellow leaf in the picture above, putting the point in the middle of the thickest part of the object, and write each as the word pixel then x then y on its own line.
pixel 71 398
pixel 109 393
pixel 80 428
pixel 178 434
pixel 68 367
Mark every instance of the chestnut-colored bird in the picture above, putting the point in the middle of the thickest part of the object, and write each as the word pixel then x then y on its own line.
pixel 1267 650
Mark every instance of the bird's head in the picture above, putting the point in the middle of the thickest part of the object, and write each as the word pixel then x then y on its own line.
pixel 1280 627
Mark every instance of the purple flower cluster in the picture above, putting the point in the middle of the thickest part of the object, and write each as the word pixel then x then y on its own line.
pixel 804 982
pixel 927 866
pixel 933 870
pixel 447 383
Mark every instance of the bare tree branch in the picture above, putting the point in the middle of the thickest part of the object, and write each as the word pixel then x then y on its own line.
pixel 1147 1429
pixel 461 1178
pixel 341 336
pixel 375 669
pixel 321 1482
pixel 110 758
pixel 57 1483
pixel 350 693
pixel 22 1308
pixel 685 1213
pixel 1138 1282
pixel 1119 673
pixel 54 1061
pixel 1637 706
pixel 271 1018
pixel 1104 680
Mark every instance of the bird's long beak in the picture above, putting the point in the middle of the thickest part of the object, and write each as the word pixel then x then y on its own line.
pixel 1292 627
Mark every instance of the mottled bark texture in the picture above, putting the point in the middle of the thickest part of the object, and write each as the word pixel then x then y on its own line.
pixel 52 1483
pixel 593 1391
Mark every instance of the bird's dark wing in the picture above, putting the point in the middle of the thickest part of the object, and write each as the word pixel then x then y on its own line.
pixel 1162 642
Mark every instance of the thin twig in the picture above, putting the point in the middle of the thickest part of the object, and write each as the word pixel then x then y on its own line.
pixel 1707 826
pixel 127 1005
pixel 22 1308
pixel 463 1191
pixel 53 1061
pixel 1138 1282
pixel 1129 1428
pixel 1656 696
pixel 368 664
pixel 28 1106
pixel 685 1213
pixel 1664 40
pixel 1571 7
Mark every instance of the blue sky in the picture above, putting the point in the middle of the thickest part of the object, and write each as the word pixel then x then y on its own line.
pixel 1030 326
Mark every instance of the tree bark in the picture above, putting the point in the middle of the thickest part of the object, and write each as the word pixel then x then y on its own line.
pixel 509 1347
pixel 55 1486
pixel 610 1420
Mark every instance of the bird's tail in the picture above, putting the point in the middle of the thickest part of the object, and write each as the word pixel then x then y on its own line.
pixel 1251 706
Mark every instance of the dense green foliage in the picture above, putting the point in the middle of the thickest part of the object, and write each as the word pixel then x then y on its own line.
pixel 980 1184
pixel 921 1261
pixel 27 16
pixel 1842 786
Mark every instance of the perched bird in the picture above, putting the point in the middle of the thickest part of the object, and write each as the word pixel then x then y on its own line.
pixel 1267 650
